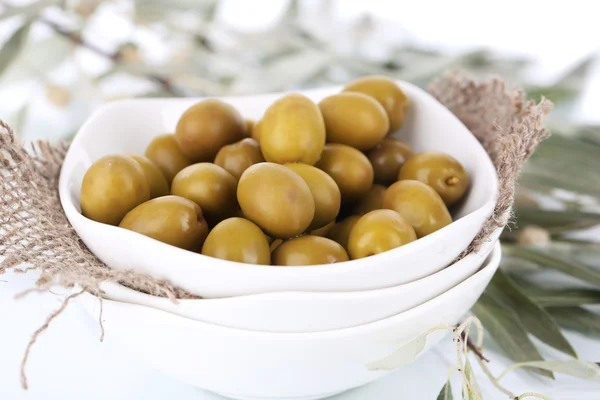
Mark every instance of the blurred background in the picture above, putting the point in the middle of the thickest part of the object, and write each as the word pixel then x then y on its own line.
pixel 61 59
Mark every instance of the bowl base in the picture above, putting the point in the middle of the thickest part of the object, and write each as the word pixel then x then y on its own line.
pixel 311 397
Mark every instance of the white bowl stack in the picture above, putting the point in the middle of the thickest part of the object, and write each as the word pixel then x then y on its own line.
pixel 267 332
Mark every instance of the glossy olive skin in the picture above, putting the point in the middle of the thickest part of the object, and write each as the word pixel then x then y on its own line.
pixel 324 231
pixel 387 158
pixel 209 186
pixel 237 239
pixel 255 134
pixel 441 171
pixel 387 93
pixel 354 119
pixel 274 244
pixel 207 126
pixel 156 180
pixel 308 250
pixel 349 168
pixel 165 153
pixel 169 219
pixel 341 230
pixel 112 186
pixel 324 190
pixel 292 130
pixel 377 232
pixel 276 199
pixel 249 127
pixel 235 158
pixel 419 204
pixel 373 200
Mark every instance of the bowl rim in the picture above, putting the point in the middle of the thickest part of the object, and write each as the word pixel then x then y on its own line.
pixel 415 246
pixel 490 266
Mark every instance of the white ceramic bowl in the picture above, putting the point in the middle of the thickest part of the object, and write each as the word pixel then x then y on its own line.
pixel 128 126
pixel 260 365
pixel 288 312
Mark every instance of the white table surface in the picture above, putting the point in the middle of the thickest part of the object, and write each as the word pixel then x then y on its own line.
pixel 69 362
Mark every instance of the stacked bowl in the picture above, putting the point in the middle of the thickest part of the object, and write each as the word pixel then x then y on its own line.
pixel 269 332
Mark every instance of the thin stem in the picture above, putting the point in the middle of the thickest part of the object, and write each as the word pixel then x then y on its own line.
pixel 76 38
pixel 531 394
pixel 489 375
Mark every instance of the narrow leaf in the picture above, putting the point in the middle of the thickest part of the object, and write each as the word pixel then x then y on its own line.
pixel 563 297
pixel 473 389
pixel 405 355
pixel 544 258
pixel 535 319
pixel 446 392
pixel 577 319
pixel 577 368
pixel 13 46
pixel 508 332
pixel 552 219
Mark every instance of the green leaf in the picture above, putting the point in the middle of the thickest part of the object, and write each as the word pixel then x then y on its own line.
pixel 507 330
pixel 533 316
pixel 577 319
pixel 446 392
pixel 577 368
pixel 563 297
pixel 549 219
pixel 13 46
pixel 473 391
pixel 543 257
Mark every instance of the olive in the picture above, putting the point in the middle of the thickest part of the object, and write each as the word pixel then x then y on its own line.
pixel 373 200
pixel 112 186
pixel 324 190
pixel 387 93
pixel 377 232
pixel 419 204
pixel 235 158
pixel 440 171
pixel 387 158
pixel 274 244
pixel 349 168
pixel 209 186
pixel 276 199
pixel 308 250
pixel 237 239
pixel 169 219
pixel 324 231
pixel 292 130
pixel 164 152
pixel 341 230
pixel 249 127
pixel 354 119
pixel 256 131
pixel 156 180
pixel 207 126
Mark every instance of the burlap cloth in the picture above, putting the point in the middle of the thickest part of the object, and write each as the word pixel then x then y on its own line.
pixel 36 235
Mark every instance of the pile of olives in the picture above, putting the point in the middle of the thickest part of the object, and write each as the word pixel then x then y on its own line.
pixel 307 184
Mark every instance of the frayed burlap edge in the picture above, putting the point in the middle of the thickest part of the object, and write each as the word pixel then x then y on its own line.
pixel 35 232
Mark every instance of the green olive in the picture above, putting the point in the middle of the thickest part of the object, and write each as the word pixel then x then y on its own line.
pixel 387 93
pixel 169 219
pixel 164 152
pixel 237 239
pixel 377 232
pixel 156 180
pixel 308 250
pixel 209 186
pixel 387 158
pixel 112 186
pixel 341 230
pixel 324 190
pixel 277 199
pixel 354 119
pixel 324 231
pixel 292 130
pixel 419 204
pixel 349 168
pixel 249 127
pixel 207 126
pixel 256 131
pixel 439 170
pixel 235 158
pixel 373 200
pixel 274 244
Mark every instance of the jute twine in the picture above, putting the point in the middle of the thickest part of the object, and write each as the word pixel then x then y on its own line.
pixel 36 235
